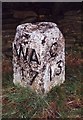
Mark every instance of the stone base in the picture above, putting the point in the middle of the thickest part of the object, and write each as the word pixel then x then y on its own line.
pixel 39 56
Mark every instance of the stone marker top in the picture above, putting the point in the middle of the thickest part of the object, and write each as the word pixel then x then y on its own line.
pixel 38 29
pixel 39 56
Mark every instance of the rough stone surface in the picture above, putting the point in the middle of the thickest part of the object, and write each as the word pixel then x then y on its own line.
pixel 39 56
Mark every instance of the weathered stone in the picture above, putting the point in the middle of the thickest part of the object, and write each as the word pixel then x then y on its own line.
pixel 39 56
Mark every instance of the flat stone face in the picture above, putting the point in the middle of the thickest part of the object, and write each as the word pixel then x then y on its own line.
pixel 39 56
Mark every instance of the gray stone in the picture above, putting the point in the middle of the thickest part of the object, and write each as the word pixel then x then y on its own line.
pixel 39 56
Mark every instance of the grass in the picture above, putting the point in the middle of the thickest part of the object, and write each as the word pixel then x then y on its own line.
pixel 24 103
pixel 21 102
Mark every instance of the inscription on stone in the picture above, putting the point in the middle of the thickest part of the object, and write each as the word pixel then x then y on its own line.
pixel 39 56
